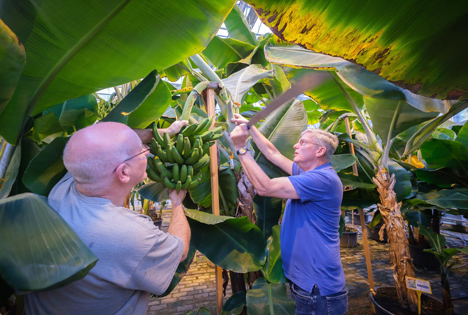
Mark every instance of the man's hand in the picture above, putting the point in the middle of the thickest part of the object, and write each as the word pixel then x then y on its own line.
pixel 177 197
pixel 238 119
pixel 239 136
pixel 175 127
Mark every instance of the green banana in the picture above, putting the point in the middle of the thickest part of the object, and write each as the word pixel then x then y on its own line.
pixel 179 186
pixel 180 142
pixel 167 174
pixel 153 147
pixel 176 156
pixel 160 166
pixel 193 158
pixel 195 183
pixel 161 154
pixel 190 171
pixel 157 136
pixel 170 158
pixel 183 173
pixel 189 130
pixel 187 148
pixel 175 172
pixel 208 125
pixel 201 126
pixel 167 140
pixel 151 163
pixel 206 147
pixel 202 162
pixel 187 182
pixel 153 176
pixel 196 144
pixel 167 182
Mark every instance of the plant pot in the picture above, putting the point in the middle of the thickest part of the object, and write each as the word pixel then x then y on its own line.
pixel 348 239
pixel 374 234
pixel 385 302
pixel 422 258
pixel 158 223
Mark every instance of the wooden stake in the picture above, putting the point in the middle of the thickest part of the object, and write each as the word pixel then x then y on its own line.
pixel 361 217
pixel 215 196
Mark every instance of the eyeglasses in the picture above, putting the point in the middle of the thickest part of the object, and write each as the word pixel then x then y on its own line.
pixel 302 142
pixel 145 149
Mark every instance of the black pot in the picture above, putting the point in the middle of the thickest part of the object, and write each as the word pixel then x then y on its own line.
pixel 437 306
pixel 158 223
pixel 374 234
pixel 348 239
pixel 422 258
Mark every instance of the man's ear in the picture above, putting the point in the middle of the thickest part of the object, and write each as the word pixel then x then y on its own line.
pixel 123 173
pixel 321 151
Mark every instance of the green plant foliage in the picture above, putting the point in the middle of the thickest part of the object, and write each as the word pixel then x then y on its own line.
pixel 274 264
pixel 102 44
pixel 231 243
pixel 342 161
pixel 403 186
pixel 153 191
pixel 46 169
pixel 268 298
pixel 36 259
pixel 11 173
pixel 268 211
pixel 235 304
pixel 221 51
pixel 238 27
pixel 12 60
pixel 446 153
pixel 76 113
pixel 447 198
pixel 47 128
pixel 387 38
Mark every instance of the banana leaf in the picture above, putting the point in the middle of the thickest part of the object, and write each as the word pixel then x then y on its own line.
pixel 235 304
pixel 231 243
pixel 389 39
pixel 462 135
pixel 342 161
pixel 102 44
pixel 403 185
pixel 12 60
pixel 268 211
pixel 36 259
pixel 76 113
pixel 238 27
pixel 447 198
pixel 47 128
pixel 46 169
pixel 274 264
pixel 444 177
pixel 446 153
pixel 221 51
pixel 269 298
pixel 134 99
pixel 11 173
pixel 155 192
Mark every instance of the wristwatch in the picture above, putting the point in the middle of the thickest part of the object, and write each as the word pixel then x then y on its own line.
pixel 242 151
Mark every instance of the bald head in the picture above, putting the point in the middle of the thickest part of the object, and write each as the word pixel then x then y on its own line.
pixel 94 152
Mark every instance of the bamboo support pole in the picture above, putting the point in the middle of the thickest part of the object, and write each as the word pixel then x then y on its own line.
pixel 361 217
pixel 215 194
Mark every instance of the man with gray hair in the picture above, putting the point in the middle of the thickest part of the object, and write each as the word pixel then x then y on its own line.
pixel 310 244
pixel 105 161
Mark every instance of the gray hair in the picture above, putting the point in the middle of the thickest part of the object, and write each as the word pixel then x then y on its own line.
pixel 325 139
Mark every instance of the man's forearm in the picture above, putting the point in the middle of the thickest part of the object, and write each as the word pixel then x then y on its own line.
pixel 179 227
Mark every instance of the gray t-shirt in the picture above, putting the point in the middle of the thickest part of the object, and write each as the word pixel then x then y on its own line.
pixel 135 258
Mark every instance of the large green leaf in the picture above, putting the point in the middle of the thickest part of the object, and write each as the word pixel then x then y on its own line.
pixel 446 153
pixel 283 128
pixel 11 172
pixel 268 211
pixel 462 135
pixel 222 51
pixel 359 198
pixel 447 198
pixel 235 304
pixel 389 116
pixel 274 264
pixel 12 60
pixel 47 128
pixel 155 192
pixel 238 27
pixel 99 44
pixel 134 99
pixel 443 177
pixel 152 108
pixel 240 82
pixel 231 243
pixel 39 250
pixel 403 186
pixel 269 299
pixel 387 38
pixel 342 161
pixel 46 169
pixel 76 113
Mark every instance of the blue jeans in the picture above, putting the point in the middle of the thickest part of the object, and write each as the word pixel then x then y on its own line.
pixel 312 303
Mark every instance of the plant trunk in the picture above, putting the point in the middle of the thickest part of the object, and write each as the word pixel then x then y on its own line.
pixel 246 195
pixel 446 296
pixel 399 250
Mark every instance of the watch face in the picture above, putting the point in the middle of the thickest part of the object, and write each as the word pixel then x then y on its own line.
pixel 242 151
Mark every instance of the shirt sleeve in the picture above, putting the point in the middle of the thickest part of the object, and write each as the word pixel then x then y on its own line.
pixel 311 186
pixel 157 268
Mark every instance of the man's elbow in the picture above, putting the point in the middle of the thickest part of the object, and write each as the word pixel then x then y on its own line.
pixel 263 191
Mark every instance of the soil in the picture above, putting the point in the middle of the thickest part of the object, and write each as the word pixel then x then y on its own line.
pixel 387 298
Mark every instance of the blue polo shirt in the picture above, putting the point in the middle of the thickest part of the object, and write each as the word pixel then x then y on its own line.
pixel 310 243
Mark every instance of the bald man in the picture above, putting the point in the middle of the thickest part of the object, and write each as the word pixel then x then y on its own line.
pixel 105 161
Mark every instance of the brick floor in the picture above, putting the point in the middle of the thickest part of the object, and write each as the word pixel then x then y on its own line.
pixel 197 288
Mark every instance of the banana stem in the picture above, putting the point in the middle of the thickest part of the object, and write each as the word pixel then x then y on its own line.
pixel 197 90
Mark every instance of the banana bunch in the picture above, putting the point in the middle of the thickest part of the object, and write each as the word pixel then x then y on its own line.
pixel 177 163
